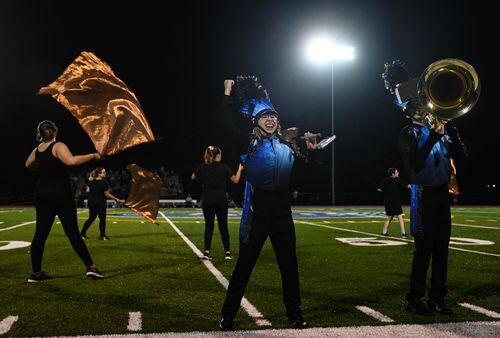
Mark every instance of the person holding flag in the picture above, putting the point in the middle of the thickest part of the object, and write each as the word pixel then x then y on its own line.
pixel 53 197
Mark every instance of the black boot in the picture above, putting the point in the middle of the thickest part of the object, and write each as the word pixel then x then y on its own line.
pixel 417 307
pixel 226 324
pixel 439 306
pixel 297 321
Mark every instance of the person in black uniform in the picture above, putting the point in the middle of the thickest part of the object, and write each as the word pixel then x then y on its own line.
pixel 98 191
pixel 214 175
pixel 426 153
pixel 53 197
pixel 266 210
pixel 392 187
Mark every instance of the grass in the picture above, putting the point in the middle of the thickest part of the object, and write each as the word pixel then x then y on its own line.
pixel 149 268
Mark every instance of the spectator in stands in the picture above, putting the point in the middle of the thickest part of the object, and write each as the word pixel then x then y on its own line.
pixel 214 176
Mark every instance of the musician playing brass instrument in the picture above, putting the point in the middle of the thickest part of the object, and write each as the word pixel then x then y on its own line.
pixel 427 146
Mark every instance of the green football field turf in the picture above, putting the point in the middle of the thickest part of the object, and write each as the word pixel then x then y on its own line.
pixel 151 270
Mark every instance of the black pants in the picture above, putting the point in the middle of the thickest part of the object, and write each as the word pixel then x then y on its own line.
pixel 436 220
pixel 94 211
pixel 209 212
pixel 49 204
pixel 273 218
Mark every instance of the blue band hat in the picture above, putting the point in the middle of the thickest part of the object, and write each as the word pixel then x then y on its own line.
pixel 398 82
pixel 253 97
pixel 395 73
pixel 400 104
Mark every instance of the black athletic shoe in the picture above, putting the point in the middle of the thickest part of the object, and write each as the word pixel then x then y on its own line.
pixel 104 238
pixel 38 277
pixel 418 307
pixel 386 234
pixel 298 322
pixel 439 306
pixel 93 273
pixel 404 236
pixel 207 256
pixel 228 256
pixel 84 236
pixel 226 324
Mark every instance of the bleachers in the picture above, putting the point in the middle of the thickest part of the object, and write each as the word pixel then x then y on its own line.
pixel 165 203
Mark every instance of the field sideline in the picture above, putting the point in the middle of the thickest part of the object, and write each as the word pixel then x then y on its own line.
pixel 351 277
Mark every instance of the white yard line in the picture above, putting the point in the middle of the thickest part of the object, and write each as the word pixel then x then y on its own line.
pixel 470 211
pixel 17 226
pixel 134 321
pixel 26 223
pixel 375 314
pixel 6 323
pixel 438 330
pixel 396 238
pixel 475 226
pixel 481 310
pixel 245 304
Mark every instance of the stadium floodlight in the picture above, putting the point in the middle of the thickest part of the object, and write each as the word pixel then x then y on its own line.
pixel 323 50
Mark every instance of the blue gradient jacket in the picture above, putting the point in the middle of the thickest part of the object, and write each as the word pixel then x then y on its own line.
pixel 268 168
pixel 426 156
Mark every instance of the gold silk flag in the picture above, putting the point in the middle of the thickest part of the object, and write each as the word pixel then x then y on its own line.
pixel 453 186
pixel 144 194
pixel 105 107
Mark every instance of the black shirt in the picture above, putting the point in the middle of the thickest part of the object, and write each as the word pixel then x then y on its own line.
pixel 392 187
pixel 213 176
pixel 52 173
pixel 96 192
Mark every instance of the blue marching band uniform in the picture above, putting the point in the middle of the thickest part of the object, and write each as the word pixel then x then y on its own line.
pixel 266 213
pixel 426 155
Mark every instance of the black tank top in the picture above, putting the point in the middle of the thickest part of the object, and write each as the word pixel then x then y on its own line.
pixel 51 171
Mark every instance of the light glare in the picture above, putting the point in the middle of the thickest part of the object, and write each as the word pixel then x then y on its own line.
pixel 323 50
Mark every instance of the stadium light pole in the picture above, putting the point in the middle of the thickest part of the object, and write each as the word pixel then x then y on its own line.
pixel 323 50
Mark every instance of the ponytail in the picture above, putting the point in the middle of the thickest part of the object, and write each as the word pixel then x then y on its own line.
pixel 46 131
pixel 210 154
pixel 95 173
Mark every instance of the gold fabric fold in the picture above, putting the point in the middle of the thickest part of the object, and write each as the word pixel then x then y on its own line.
pixel 105 107
pixel 453 186
pixel 144 194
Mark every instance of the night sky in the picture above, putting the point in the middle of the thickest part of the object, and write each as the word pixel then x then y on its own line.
pixel 175 59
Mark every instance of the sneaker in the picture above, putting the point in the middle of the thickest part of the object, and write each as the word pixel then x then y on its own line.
pixel 228 256
pixel 84 236
pixel 418 307
pixel 104 238
pixel 226 324
pixel 298 322
pixel 439 306
pixel 207 256
pixel 93 273
pixel 38 277
pixel 404 236
pixel 386 234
